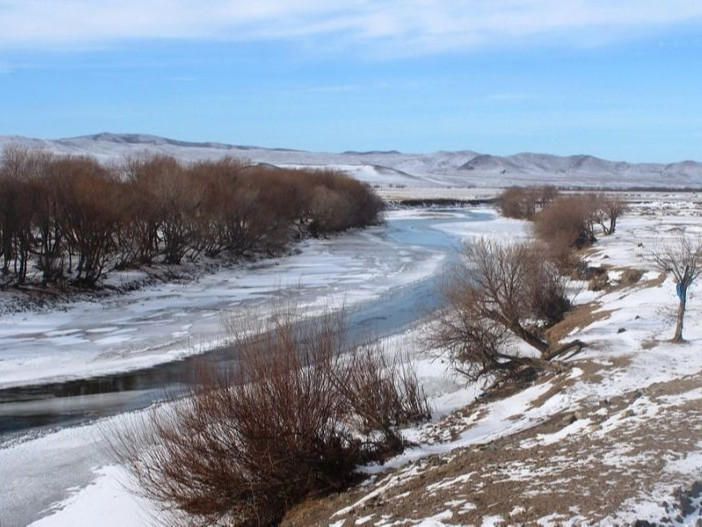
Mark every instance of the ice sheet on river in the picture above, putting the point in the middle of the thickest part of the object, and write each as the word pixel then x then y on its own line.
pixel 166 322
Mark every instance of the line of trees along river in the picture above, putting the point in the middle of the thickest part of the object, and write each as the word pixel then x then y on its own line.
pixel 71 219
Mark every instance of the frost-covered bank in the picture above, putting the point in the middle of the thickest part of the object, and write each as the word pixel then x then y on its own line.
pixel 169 321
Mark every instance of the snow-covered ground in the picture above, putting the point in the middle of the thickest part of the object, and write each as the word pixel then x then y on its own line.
pixel 615 438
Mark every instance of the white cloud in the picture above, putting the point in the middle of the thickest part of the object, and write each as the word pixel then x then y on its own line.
pixel 400 26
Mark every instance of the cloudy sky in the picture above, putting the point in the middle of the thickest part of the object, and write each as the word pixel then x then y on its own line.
pixel 621 79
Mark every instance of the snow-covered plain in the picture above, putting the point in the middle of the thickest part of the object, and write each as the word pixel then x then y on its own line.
pixel 623 418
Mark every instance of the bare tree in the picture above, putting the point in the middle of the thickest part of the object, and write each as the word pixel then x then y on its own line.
pixel 613 208
pixel 18 207
pixel 89 215
pixel 157 208
pixel 604 210
pixel 683 259
pixel 503 291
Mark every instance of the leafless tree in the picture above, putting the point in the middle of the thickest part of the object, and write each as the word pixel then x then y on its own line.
pixel 613 208
pixel 683 259
pixel 89 214
pixel 502 291
pixel 18 207
pixel 54 209
pixel 604 210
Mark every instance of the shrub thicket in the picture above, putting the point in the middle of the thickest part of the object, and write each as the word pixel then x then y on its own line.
pixel 570 222
pixel 75 218
pixel 293 420
pixel 524 202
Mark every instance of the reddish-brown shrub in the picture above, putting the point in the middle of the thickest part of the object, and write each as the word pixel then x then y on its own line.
pixel 17 208
pixel 568 220
pixel 66 208
pixel 246 445
pixel 384 394
pixel 525 202
pixel 89 216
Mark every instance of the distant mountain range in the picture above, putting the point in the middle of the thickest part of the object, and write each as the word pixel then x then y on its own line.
pixel 440 169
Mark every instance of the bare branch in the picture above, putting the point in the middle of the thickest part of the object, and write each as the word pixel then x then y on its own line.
pixel 294 419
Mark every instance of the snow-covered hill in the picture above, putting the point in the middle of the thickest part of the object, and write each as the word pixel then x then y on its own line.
pixel 391 168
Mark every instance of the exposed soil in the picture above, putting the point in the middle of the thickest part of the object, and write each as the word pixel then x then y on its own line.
pixel 619 449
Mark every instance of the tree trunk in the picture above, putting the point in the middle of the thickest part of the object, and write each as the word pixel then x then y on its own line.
pixel 612 225
pixel 529 338
pixel 678 337
pixel 515 327
pixel 562 349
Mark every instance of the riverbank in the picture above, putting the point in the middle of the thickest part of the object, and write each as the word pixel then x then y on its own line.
pixel 613 440
pixel 169 321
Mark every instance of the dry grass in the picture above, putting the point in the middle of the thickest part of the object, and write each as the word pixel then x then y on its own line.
pixel 631 276
pixel 524 479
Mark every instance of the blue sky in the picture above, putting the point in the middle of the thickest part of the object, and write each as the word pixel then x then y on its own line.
pixel 617 79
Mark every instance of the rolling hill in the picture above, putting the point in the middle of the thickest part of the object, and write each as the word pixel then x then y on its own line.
pixel 463 168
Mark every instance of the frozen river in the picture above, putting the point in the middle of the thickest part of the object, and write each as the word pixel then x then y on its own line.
pixel 62 370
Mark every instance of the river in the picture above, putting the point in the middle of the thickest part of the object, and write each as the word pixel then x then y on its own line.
pixel 43 452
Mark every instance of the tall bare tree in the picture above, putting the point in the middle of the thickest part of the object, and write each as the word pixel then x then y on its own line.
pixel 683 259
pixel 613 209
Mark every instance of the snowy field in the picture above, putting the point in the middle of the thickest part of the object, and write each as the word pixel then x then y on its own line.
pixel 614 439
